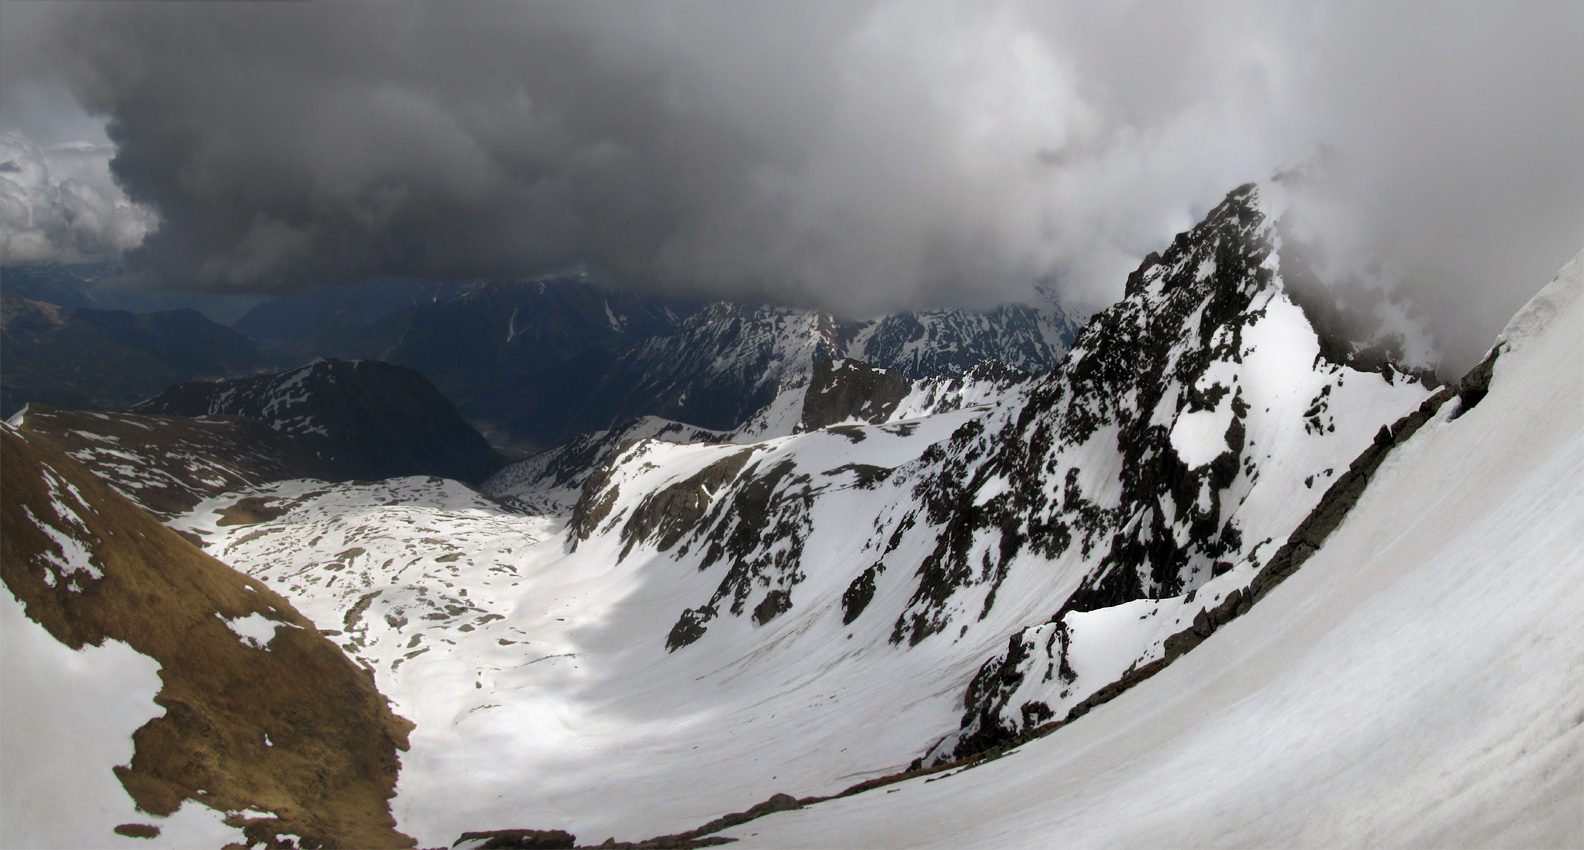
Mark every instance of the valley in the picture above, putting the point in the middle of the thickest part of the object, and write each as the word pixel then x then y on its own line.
pixel 1213 577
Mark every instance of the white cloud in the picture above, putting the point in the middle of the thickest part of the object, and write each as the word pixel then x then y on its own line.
pixel 59 204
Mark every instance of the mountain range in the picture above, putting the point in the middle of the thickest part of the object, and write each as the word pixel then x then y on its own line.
pixel 1214 575
pixel 530 364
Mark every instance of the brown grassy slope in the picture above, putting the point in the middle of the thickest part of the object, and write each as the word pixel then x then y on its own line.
pixel 331 771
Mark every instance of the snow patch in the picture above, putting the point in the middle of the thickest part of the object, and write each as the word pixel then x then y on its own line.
pixel 73 557
pixel 255 630
pixel 94 698
pixel 1200 437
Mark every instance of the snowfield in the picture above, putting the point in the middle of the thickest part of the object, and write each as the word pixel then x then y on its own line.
pixel 539 679
pixel 1419 682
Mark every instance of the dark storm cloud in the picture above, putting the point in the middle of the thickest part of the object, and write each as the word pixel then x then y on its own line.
pixel 284 145
pixel 859 156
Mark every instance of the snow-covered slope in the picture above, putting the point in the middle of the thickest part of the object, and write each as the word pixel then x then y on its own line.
pixel 245 723
pixel 1416 683
pixel 715 623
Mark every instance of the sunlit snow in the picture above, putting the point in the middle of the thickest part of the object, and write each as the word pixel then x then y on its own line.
pixel 94 698
pixel 1417 683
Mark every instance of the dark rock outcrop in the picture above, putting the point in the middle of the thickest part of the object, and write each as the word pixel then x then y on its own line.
pixel 851 389
pixel 521 839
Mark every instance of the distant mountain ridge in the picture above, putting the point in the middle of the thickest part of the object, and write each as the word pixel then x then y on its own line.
pixel 366 419
pixel 533 364
pixel 80 357
pixel 102 286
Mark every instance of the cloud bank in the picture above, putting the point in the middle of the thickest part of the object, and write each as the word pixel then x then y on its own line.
pixel 859 156
pixel 59 204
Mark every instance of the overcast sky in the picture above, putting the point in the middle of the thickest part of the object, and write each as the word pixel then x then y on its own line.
pixel 859 156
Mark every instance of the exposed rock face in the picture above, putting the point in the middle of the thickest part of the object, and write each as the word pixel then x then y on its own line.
pixel 365 419
pixel 286 726
pixel 1476 384
pixel 758 528
pixel 1173 377
pixel 850 389
pixel 666 515
pixel 533 364
pixel 749 515
pixel 1150 354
